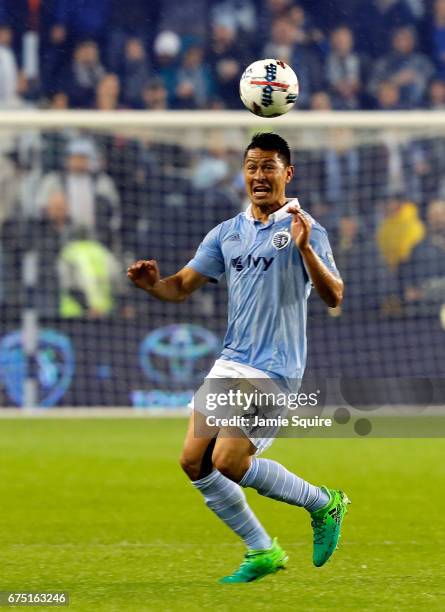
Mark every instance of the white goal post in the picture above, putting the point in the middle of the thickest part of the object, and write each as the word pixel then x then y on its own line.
pixel 210 119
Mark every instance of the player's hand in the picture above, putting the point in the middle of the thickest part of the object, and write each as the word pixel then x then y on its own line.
pixel 144 273
pixel 300 228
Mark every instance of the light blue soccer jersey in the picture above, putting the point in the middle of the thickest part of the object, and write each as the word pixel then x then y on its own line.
pixel 268 288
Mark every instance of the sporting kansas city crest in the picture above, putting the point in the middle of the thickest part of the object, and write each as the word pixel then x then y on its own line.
pixel 281 240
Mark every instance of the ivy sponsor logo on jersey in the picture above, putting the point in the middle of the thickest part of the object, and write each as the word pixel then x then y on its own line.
pixel 280 240
pixel 259 263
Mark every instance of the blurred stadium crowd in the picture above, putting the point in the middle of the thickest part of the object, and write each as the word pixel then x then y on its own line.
pixel 139 54
pixel 89 204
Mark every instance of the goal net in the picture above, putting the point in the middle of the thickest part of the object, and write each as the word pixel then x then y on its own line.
pixel 83 195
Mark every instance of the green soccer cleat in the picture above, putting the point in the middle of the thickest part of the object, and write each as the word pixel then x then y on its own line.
pixel 326 524
pixel 257 564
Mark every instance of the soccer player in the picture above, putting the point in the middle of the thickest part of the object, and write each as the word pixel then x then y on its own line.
pixel 271 254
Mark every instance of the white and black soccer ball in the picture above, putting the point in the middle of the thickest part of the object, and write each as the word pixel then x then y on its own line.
pixel 269 88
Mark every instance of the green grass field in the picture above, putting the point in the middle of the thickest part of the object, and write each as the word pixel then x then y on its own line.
pixel 100 508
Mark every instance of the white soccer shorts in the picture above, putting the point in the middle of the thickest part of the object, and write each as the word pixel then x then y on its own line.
pixel 233 370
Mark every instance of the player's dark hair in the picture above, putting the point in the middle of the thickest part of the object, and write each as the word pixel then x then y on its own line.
pixel 268 141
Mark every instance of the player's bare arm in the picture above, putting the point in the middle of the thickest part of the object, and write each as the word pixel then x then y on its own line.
pixel 328 286
pixel 176 288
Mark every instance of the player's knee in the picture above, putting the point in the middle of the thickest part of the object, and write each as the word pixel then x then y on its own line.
pixel 228 465
pixel 191 466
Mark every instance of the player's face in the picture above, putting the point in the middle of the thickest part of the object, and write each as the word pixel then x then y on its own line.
pixel 266 176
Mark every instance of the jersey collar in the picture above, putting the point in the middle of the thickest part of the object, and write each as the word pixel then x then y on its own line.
pixel 278 215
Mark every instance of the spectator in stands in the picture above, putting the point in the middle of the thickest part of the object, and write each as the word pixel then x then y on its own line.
pixel 343 70
pixel 399 232
pixel 362 268
pixel 321 101
pixel 409 70
pixel 93 201
pixel 9 186
pixel 307 34
pixel 54 67
pixel 388 96
pixel 90 278
pixel 57 213
pixel 59 101
pixel 423 275
pixel 79 20
pixel 8 68
pixel 436 37
pixel 375 19
pixel 107 93
pixel 328 14
pixel 27 20
pixel 240 14
pixel 422 160
pixel 154 95
pixel 46 236
pixel 167 46
pixel 211 169
pixel 325 213
pixel 21 16
pixel 397 235
pixel 439 172
pixel 188 18
pixel 270 11
pixel 49 234
pixel 85 73
pixel 283 45
pixel 227 57
pixel 436 95
pixel 282 40
pixel 12 240
pixel 134 71
pixel 138 20
pixel 194 87
pixel 211 178
pixel 341 170
pixel 395 167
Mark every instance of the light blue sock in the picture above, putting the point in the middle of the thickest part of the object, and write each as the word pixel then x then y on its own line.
pixel 271 479
pixel 228 502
